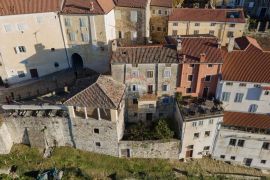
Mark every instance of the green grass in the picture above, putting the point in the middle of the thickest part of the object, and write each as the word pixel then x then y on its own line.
pixel 85 165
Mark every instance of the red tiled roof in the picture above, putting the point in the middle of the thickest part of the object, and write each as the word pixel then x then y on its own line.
pixel 249 64
pixel 213 15
pixel 12 7
pixel 131 3
pixel 238 119
pixel 162 3
pixel 84 7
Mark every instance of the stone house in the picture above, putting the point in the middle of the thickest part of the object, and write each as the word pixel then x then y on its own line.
pixel 245 82
pixel 244 139
pixel 88 27
pixel 26 52
pixel 150 74
pixel 222 23
pixel 198 123
pixel 132 20
pixel 160 11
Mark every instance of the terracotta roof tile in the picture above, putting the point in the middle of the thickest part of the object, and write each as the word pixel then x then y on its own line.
pixel 131 3
pixel 104 93
pixel 84 6
pixel 12 7
pixel 214 15
pixel 249 120
pixel 249 64
pixel 162 3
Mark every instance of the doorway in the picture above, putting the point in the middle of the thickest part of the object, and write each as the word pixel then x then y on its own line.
pixel 262 13
pixel 77 62
pixel 205 92
pixel 34 73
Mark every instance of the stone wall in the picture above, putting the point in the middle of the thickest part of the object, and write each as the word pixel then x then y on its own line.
pixel 151 149
pixel 5 140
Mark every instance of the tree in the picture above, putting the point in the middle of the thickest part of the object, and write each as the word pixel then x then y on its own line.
pixel 162 130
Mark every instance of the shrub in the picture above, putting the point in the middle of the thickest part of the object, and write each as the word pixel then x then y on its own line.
pixel 162 130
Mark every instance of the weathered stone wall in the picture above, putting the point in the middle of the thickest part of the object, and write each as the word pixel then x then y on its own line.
pixel 5 140
pixel 151 149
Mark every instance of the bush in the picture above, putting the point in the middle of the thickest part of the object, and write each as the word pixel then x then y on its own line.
pixel 162 130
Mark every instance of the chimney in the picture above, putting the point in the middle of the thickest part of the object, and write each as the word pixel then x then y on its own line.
pixel 184 57
pixel 231 44
pixel 91 6
pixel 63 4
pixel 114 45
pixel 219 44
pixel 202 57
pixel 179 44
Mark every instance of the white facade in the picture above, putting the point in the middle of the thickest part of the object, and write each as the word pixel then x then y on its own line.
pixel 248 151
pixel 244 96
pixel 31 46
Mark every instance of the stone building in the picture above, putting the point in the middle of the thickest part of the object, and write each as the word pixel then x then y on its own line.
pixel 200 67
pixel 222 23
pixel 245 83
pixel 132 20
pixel 244 139
pixel 88 27
pixel 150 74
pixel 199 123
pixel 160 11
pixel 88 117
pixel 31 40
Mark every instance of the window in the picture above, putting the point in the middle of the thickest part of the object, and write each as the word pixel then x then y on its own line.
pixel 266 145
pixel 153 28
pixel 229 34
pixel 82 22
pixel 210 65
pixel 8 27
pixel 229 83
pixel 242 84
pixel 159 12
pixel 135 101
pixel 194 124
pixel 21 27
pixel 120 35
pixel 211 32
pixel 188 90
pixel 232 142
pixel 133 16
pixel 206 148
pixel 212 24
pixel 263 161
pixel 166 12
pixel 253 108
pixel 96 131
pixel 207 78
pixel 197 24
pixel 134 87
pixel 232 25
pixel 56 64
pixel 149 74
pixel 167 73
pixel 226 96
pixel 174 32
pixel 232 157
pixel 21 74
pixel 72 36
pixel 85 37
pixel 222 156
pixel 134 35
pixel 67 22
pixel 158 28
pixel 175 24
pixel 206 133
pixel 98 144
pixel 211 121
pixel 196 135
pixel 257 86
pixel 241 143
pixel 135 73
pixel 190 77
pixel 165 87
pixel 192 65
pixel 19 49
pixel 196 32
pixel 238 97
pixel 150 89
pixel 200 123
pixel 266 93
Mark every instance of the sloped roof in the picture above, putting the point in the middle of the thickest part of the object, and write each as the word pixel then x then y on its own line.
pixel 249 64
pixel 84 6
pixel 104 93
pixel 131 3
pixel 162 3
pixel 248 120
pixel 213 15
pixel 13 7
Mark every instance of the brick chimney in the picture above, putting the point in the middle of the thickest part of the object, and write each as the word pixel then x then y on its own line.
pixel 202 57
pixel 92 6
pixel 179 44
pixel 230 44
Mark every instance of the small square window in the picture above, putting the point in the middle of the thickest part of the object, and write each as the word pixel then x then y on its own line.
pixel 232 157
pixel 149 74
pixel 200 123
pixel 175 24
pixel 192 65
pixel 159 12
pixel 188 90
pixel 232 25
pixel 206 148
pixel 257 86
pixel 229 83
pixel 210 65
pixel 232 142
pixel 197 24
pixel 242 84
pixel 222 156
pixel 266 93
pixel 212 24
pixel 206 133
pixel 21 74
pixel 196 32
pixel 196 135
pixel 98 144
pixel 135 101
pixel 211 32
pixel 207 78
pixel 167 73
pixel 211 121
pixel 165 88
pixel 96 131
pixel 194 124
pixel 190 77
pixel 266 145
pixel 263 161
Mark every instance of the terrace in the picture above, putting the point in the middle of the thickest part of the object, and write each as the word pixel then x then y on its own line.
pixel 196 108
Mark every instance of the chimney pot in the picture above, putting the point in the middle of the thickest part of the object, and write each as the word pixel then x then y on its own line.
pixel 91 6
pixel 202 57
pixel 231 44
